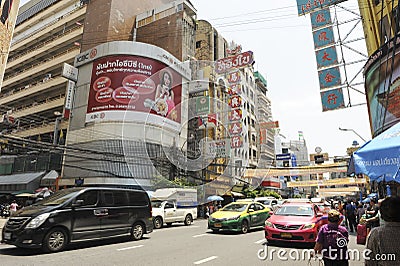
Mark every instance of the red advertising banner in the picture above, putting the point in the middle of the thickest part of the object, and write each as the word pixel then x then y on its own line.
pixel 228 63
pixel 235 128
pixel 140 85
pixel 236 142
pixel 234 89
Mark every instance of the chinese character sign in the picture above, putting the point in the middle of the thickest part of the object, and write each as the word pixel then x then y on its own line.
pixel 236 142
pixel 235 101
pixel 235 115
pixel 306 6
pixel 320 18
pixel 329 78
pixel 323 37
pixel 235 128
pixel 234 77
pixel 326 57
pixel 234 89
pixel 332 99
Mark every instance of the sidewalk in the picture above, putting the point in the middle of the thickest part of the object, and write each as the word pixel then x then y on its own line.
pixel 2 222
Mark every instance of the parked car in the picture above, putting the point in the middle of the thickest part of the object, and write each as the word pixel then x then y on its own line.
pixel 294 222
pixel 270 202
pixel 239 217
pixel 80 214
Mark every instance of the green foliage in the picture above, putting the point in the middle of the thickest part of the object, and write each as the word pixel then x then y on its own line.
pixel 269 193
pixel 161 182
pixel 297 196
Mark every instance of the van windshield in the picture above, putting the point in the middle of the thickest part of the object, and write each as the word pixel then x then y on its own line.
pixel 58 198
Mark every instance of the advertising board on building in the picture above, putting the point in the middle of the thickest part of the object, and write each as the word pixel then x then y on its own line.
pixel 306 6
pixel 233 62
pixel 383 87
pixel 320 18
pixel 332 99
pixel 9 11
pixel 133 88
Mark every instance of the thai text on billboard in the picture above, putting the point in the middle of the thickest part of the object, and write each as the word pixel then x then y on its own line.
pixel 9 11
pixel 229 63
pixel 132 87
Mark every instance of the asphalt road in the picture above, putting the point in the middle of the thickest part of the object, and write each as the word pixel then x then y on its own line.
pixel 176 245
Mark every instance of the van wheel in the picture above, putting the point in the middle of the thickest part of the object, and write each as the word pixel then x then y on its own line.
pixel 245 227
pixel 137 231
pixel 158 222
pixel 188 219
pixel 55 240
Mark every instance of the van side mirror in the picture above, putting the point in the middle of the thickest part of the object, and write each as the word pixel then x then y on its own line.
pixel 77 203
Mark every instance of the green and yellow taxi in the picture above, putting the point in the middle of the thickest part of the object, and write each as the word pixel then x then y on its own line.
pixel 239 217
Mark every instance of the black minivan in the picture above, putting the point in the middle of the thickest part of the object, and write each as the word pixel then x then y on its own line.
pixel 80 214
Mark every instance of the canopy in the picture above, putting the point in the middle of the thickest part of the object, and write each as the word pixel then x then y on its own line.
pixel 380 158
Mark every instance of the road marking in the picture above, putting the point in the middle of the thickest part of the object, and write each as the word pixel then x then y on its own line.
pixel 200 235
pixel 121 249
pixel 205 260
pixel 259 241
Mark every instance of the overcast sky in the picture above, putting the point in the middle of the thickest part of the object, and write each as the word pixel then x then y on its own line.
pixel 284 53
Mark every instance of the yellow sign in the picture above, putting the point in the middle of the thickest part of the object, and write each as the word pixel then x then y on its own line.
pixel 332 182
pixel 298 171
pixel 338 190
pixel 9 11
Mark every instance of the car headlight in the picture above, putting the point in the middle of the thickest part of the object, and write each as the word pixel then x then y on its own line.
pixel 233 218
pixel 268 223
pixel 38 221
pixel 309 226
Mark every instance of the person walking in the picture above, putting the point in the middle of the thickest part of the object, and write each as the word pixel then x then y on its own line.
pixel 384 240
pixel 13 208
pixel 360 212
pixel 332 241
pixel 351 216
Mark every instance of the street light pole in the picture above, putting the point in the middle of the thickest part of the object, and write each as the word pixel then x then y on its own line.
pixel 349 129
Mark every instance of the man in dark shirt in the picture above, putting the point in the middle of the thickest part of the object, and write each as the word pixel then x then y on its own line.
pixel 372 211
pixel 351 216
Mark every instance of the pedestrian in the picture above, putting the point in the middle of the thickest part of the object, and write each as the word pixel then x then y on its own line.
pixel 351 216
pixel 359 212
pixel 372 211
pixel 384 240
pixel 13 208
pixel 378 216
pixel 332 241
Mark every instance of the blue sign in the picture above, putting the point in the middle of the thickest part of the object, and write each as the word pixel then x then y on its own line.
pixel 326 57
pixel 332 99
pixel 329 77
pixel 320 18
pixel 283 156
pixel 306 6
pixel 323 37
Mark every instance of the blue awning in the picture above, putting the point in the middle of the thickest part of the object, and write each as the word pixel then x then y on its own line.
pixel 379 158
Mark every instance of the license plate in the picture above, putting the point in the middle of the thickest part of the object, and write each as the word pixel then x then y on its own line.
pixel 218 225
pixel 286 235
pixel 7 236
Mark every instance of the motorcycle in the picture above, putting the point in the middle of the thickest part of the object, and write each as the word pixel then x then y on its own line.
pixel 5 211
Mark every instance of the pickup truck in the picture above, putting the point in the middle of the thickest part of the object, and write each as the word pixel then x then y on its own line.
pixel 168 212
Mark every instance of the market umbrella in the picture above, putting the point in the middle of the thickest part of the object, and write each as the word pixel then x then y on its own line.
pixel 379 158
pixel 215 198
pixel 366 200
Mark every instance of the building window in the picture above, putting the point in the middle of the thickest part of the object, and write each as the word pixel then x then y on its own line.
pixel 198 44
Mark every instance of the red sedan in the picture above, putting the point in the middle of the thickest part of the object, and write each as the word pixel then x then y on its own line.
pixel 295 222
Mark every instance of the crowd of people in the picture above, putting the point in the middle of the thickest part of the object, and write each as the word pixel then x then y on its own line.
pixel 382 219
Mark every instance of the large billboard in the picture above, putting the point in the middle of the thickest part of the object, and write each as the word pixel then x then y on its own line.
pixel 134 88
pixel 382 85
pixel 8 16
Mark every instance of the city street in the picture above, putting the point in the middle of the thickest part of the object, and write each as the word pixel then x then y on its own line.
pixel 176 245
